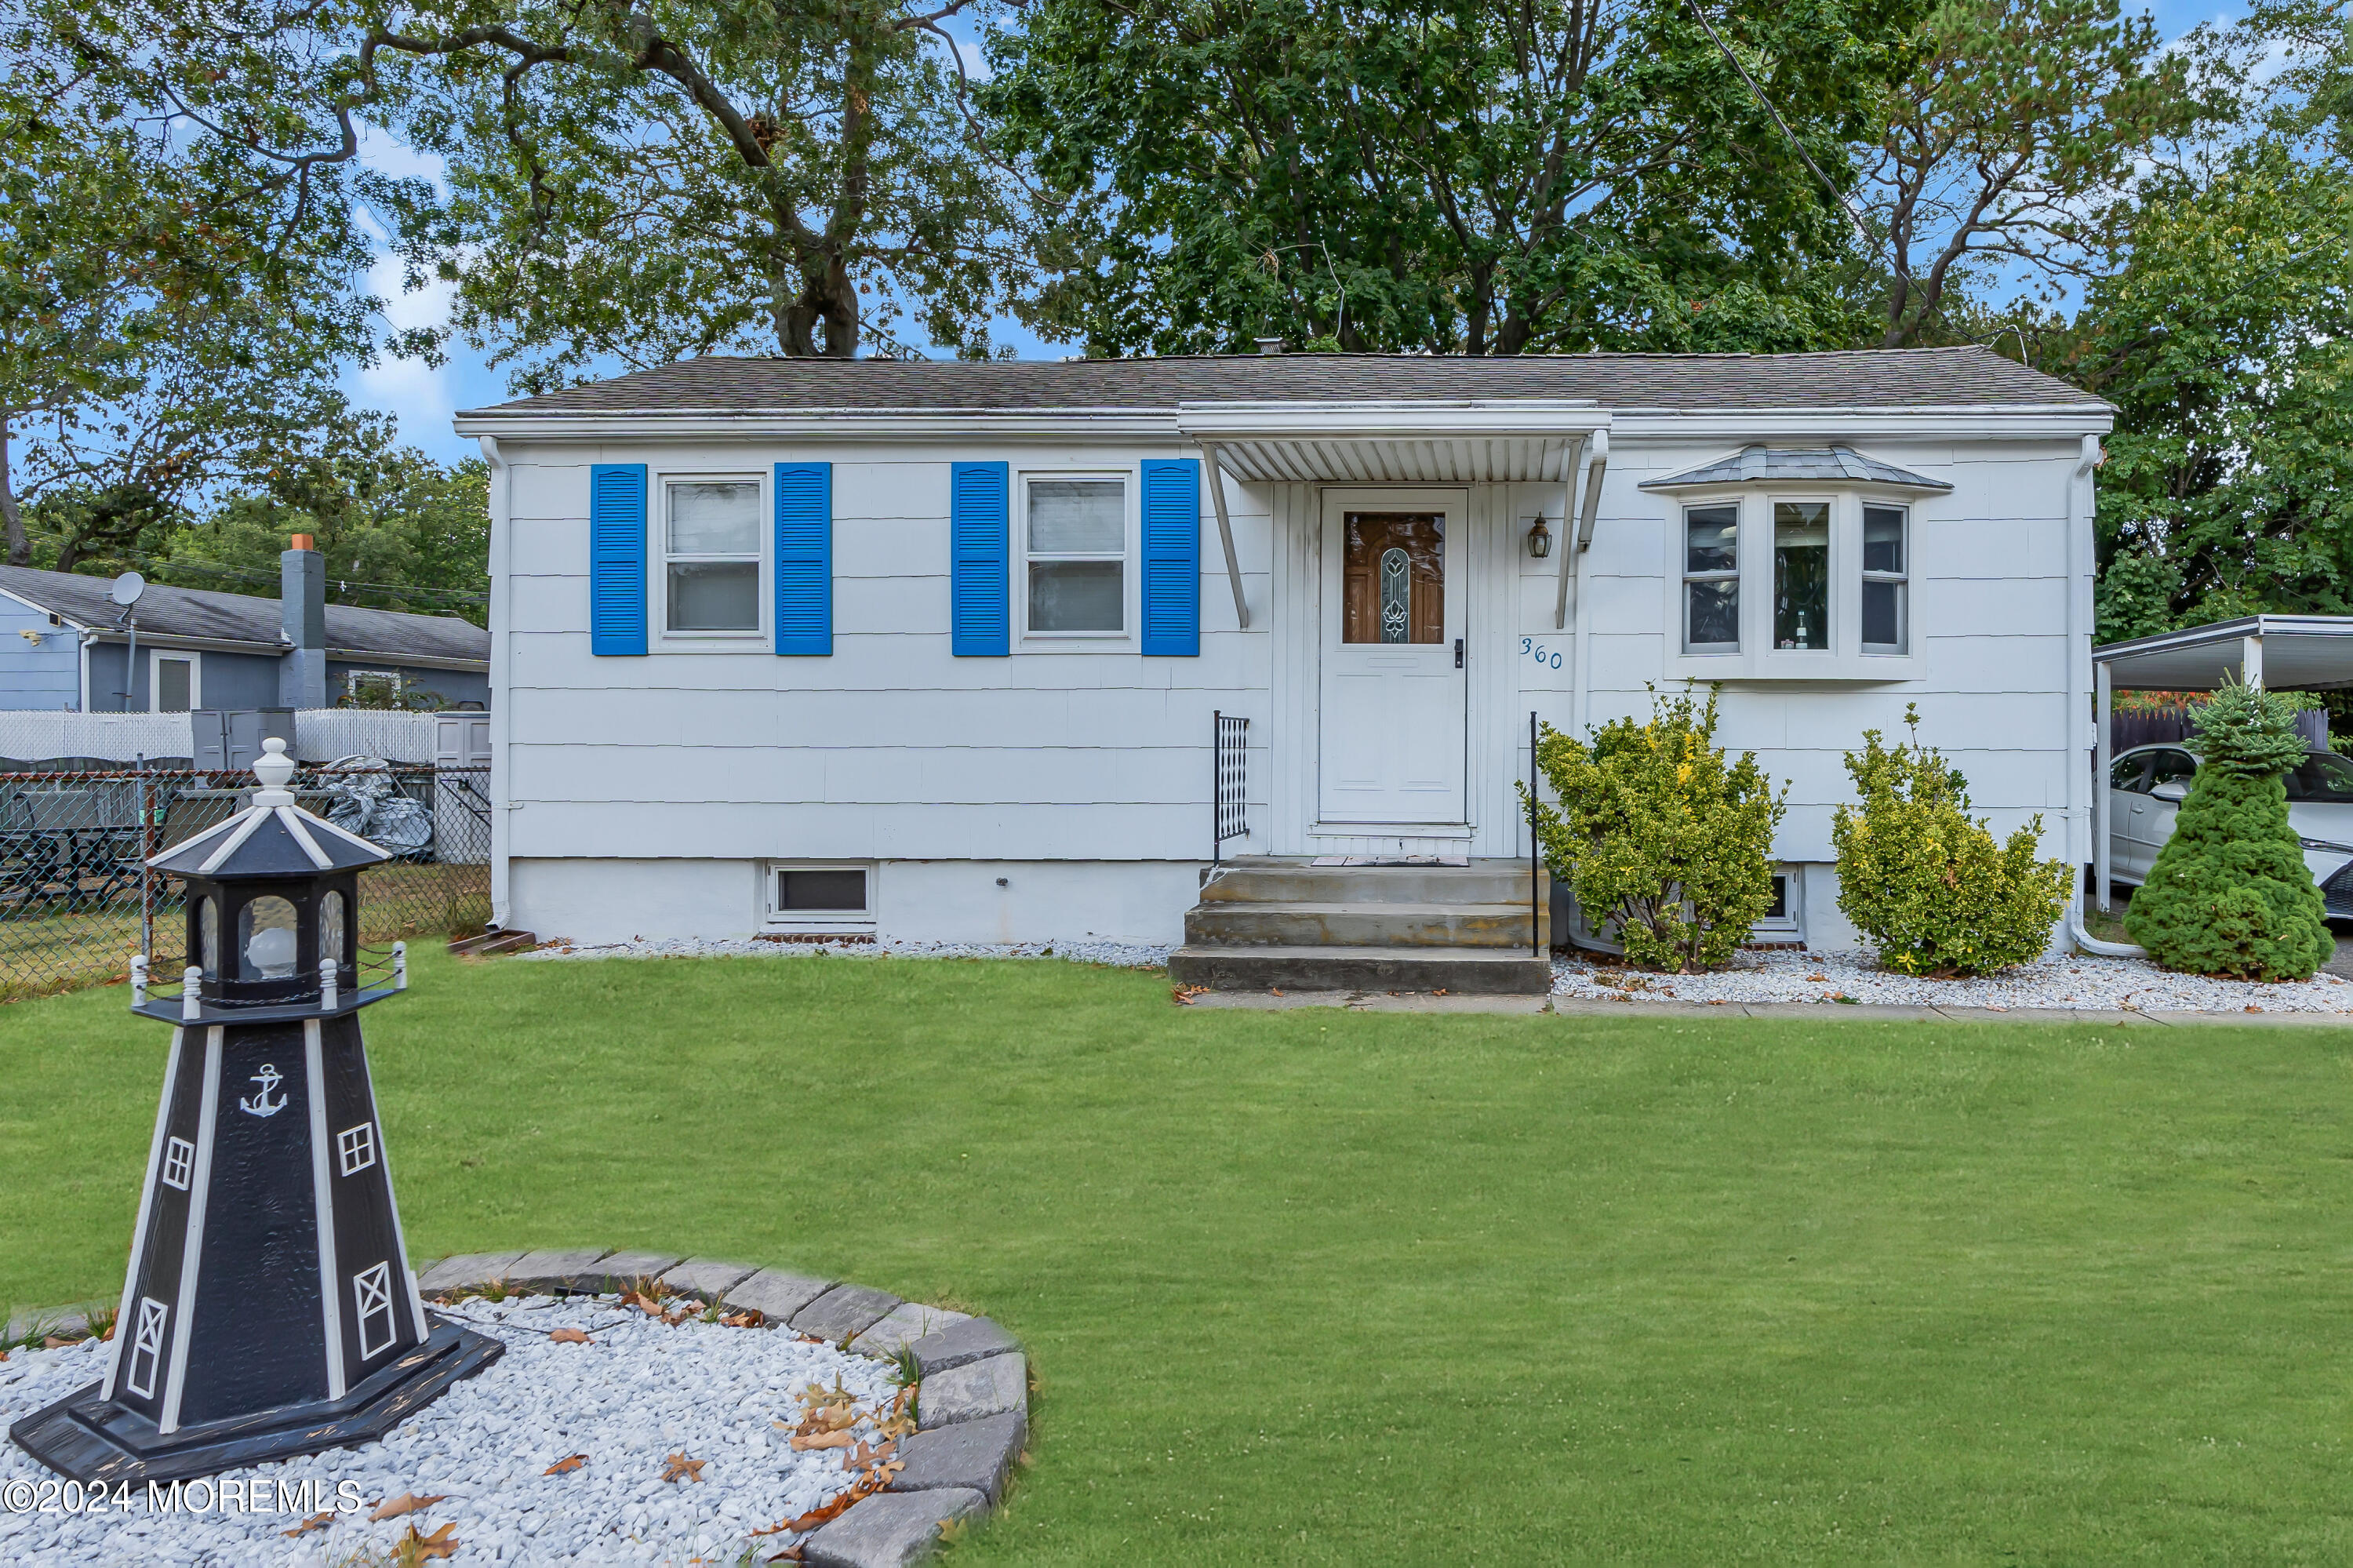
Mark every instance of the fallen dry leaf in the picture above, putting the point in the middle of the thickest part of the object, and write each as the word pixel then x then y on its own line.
pixel 802 1445
pixel 570 1337
pixel 59 1341
pixel 750 1317
pixel 316 1521
pixel 678 1467
pixel 566 1465
pixel 413 1549
pixel 406 1502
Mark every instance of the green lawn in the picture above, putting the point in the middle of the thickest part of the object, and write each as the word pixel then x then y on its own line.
pixel 1305 1287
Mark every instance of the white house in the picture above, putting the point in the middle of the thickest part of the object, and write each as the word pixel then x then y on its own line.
pixel 933 650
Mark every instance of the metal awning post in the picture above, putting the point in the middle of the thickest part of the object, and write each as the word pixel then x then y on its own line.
pixel 1571 472
pixel 1210 472
pixel 2251 658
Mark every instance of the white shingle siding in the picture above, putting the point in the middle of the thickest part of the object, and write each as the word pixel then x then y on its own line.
pixel 644 791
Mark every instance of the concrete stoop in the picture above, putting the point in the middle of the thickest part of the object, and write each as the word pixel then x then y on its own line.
pixel 1265 924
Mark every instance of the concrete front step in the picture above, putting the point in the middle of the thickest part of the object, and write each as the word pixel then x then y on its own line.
pixel 1234 923
pixel 1294 882
pixel 1490 971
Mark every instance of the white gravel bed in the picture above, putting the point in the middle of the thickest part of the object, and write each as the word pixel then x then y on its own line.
pixel 641 1391
pixel 1123 954
pixel 2089 984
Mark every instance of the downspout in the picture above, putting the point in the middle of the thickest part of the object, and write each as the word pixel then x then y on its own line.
pixel 1210 472
pixel 501 672
pixel 2079 698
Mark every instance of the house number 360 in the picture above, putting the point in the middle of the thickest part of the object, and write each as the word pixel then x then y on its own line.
pixel 1532 649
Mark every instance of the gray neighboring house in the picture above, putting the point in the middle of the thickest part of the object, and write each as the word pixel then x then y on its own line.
pixel 63 645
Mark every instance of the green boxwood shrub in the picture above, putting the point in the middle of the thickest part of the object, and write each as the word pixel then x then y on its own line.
pixel 1659 834
pixel 1926 882
pixel 2230 893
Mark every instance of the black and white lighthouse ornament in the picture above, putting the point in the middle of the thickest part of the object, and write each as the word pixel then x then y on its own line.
pixel 270 1309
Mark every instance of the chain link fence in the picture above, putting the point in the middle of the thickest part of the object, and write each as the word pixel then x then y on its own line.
pixel 76 898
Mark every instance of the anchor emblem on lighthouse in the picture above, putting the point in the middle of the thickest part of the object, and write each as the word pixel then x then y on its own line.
pixel 261 1104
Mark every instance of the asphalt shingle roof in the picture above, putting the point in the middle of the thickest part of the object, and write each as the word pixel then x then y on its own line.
pixel 167 611
pixel 1894 379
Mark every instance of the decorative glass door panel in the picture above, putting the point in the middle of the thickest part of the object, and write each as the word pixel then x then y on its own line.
pixel 1393 576
pixel 1393 693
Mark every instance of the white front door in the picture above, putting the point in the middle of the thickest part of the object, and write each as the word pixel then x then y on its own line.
pixel 1393 732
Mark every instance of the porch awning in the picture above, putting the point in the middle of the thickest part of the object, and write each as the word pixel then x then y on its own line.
pixel 1419 441
pixel 1501 441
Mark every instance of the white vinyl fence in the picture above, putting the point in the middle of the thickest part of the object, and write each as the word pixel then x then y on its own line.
pixel 321 734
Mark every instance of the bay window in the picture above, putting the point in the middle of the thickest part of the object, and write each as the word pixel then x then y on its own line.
pixel 1712 579
pixel 1885 579
pixel 1801 574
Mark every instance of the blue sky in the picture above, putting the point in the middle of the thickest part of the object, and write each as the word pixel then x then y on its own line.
pixel 423 398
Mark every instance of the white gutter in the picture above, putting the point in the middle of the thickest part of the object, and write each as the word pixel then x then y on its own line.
pixel 2084 756
pixel 501 672
pixel 1225 530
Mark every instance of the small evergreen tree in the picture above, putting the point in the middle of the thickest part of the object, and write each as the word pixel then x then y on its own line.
pixel 1926 882
pixel 2230 893
pixel 1661 833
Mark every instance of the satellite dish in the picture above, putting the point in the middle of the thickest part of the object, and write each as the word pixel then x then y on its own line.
pixel 127 589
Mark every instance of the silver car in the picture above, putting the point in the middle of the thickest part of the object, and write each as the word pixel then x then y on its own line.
pixel 2146 786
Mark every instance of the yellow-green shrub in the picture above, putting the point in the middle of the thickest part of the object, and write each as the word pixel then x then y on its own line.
pixel 1659 833
pixel 1926 882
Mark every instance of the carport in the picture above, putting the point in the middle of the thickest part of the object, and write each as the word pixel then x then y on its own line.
pixel 2294 652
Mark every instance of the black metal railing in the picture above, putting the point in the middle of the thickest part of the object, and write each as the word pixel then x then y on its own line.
pixel 1229 781
pixel 76 898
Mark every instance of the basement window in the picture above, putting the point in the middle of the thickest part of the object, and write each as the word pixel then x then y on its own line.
pixel 826 896
pixel 1781 925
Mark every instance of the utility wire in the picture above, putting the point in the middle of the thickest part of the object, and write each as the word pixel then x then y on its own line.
pixel 1766 104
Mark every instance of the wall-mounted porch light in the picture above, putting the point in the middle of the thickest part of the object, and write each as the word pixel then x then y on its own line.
pixel 1539 540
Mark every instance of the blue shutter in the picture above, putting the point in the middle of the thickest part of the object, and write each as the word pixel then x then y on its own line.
pixel 979 592
pixel 617 558
pixel 804 557
pixel 1172 558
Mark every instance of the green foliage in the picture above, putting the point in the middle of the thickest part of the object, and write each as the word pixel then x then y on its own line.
pixel 179 259
pixel 2010 139
pixel 2230 893
pixel 647 182
pixel 1453 176
pixel 1659 833
pixel 1925 881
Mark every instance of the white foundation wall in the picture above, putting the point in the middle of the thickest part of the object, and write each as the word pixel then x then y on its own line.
pixel 981 902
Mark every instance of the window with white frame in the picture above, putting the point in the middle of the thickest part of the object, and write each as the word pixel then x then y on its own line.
pixel 1801 574
pixel 1887 580
pixel 1074 541
pixel 711 556
pixel 820 895
pixel 1712 579
pixel 173 683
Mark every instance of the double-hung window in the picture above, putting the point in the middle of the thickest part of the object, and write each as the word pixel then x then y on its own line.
pixel 1712 579
pixel 711 556
pixel 1074 541
pixel 1886 573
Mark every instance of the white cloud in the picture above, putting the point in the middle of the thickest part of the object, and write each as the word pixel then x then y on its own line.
pixel 416 394
pixel 976 64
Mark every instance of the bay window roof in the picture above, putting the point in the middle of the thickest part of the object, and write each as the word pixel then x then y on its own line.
pixel 1796 465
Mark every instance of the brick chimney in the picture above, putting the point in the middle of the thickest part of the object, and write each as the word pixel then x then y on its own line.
pixel 303 626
